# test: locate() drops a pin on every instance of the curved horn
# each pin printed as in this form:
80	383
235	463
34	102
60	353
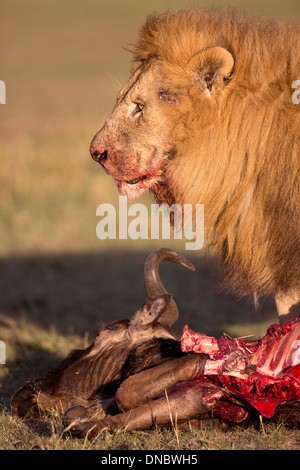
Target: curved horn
153	285
152	281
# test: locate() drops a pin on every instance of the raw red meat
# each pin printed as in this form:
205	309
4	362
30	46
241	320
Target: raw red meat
263	373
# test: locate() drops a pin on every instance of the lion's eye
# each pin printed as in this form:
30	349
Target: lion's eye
139	107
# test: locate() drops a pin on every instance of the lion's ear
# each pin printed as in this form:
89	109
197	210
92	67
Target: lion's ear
212	65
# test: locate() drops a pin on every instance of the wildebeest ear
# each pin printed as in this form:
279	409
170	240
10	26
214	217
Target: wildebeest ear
213	65
159	310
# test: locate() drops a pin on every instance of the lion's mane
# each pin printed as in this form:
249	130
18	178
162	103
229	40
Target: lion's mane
244	166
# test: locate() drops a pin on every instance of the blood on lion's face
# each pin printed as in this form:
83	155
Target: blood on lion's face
135	143
154	116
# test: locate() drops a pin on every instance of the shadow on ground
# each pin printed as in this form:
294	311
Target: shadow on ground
79	292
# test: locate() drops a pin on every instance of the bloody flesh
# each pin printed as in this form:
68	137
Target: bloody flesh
263	373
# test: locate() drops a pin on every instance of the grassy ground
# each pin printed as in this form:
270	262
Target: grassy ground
63	62
39	435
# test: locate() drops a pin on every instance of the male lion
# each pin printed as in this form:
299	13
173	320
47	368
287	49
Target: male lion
207	117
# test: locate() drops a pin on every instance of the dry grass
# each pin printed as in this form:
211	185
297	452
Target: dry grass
49	435
62	61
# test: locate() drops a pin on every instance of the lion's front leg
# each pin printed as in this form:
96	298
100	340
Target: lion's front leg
288	306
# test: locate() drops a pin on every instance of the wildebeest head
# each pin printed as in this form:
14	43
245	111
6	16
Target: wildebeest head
122	348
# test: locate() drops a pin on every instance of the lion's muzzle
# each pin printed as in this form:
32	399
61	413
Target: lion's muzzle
98	155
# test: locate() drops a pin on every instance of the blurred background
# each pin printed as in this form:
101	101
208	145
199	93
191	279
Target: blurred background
63	62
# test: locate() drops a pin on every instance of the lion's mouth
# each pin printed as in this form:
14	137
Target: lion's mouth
133	188
137	180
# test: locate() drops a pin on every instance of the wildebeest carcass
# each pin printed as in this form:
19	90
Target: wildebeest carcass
137	374
122	348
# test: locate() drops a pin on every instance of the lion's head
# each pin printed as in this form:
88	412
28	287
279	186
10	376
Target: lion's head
151	117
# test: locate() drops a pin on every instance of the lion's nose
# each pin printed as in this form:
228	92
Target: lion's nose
99	156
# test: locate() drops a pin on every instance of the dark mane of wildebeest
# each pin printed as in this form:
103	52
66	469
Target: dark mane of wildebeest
109	367
122	348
